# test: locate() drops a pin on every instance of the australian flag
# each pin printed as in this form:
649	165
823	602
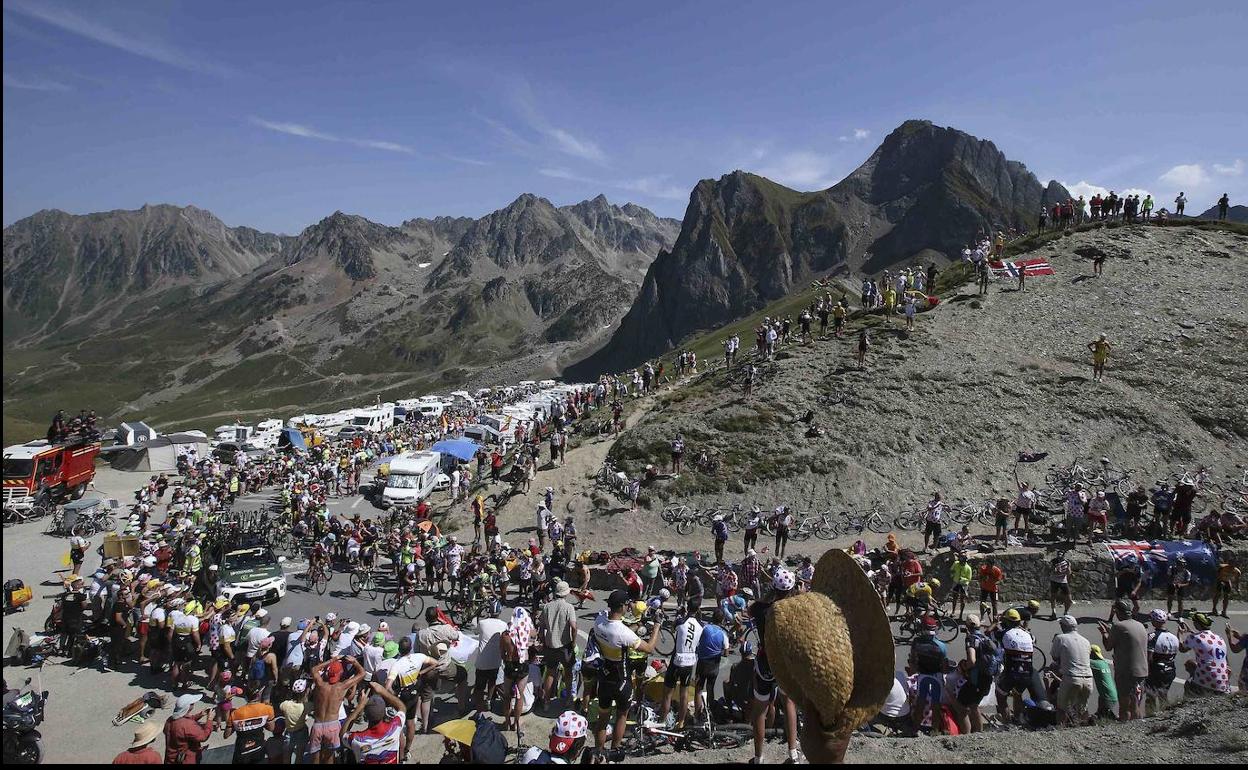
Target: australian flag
1159	555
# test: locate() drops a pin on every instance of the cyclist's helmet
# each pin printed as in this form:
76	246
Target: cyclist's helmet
1166	644
1013	616
783	580
654	603
930	623
934	583
1017	640
748	593
1158	616
411	568
1033	605
664	594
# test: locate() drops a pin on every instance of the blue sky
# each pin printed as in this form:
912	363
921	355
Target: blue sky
276	114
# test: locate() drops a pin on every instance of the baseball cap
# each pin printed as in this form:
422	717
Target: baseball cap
299	685
375	709
1068	621
568	727
286	622
617	600
972	620
182	706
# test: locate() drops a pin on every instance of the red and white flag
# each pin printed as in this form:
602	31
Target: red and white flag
1011	268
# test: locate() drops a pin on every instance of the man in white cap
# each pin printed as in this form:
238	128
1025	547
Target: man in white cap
185	734
557	625
1071	654
257	635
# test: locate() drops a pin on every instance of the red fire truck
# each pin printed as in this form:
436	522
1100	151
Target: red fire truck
39	472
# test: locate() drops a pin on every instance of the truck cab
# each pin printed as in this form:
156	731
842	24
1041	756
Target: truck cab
39	472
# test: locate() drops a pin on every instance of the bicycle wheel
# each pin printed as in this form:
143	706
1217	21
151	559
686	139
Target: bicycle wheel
801	533
667	642
962	515
370	588
724	740
320	582
734	524
949	629
878	524
684	526
826	530
907	522
390	604
84	528
357	582
414	606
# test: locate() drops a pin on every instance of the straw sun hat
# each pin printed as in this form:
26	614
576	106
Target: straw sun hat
832	646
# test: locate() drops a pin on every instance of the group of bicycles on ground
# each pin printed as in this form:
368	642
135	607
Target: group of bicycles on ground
1171	507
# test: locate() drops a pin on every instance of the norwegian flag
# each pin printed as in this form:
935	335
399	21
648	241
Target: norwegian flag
1010	268
1158	555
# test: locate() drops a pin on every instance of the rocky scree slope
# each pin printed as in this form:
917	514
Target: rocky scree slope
746	241
949	406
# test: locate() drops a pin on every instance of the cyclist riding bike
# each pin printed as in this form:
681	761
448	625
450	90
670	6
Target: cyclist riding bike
735	612
919	602
1018	673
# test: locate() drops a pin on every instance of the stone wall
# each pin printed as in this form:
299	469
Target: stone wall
1092	573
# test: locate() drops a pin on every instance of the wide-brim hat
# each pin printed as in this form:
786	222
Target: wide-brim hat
145	734
832	646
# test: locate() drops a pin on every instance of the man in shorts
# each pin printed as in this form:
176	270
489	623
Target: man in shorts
325	737
712	643
1226	580
1179	577
1059	584
614	641
990	577
681	666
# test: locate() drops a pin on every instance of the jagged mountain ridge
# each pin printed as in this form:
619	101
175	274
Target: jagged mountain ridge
344	299
745	240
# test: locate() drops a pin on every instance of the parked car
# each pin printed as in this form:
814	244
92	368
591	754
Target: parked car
350	431
228	452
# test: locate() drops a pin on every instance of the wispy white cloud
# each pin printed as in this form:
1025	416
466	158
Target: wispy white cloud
801	169
1185	175
580	148
100	32
659	186
33	83
307	132
858	135
521	95
1234	169
468	161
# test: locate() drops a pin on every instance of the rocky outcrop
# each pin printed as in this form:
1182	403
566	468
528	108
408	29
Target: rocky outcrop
746	241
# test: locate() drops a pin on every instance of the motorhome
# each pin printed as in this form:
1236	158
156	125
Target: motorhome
489	436
232	433
374	420
412	477
461	398
527	386
547	384
431	410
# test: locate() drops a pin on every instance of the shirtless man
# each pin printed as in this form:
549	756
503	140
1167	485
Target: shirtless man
325	737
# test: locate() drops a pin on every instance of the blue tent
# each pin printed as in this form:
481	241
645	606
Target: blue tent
460	448
291	437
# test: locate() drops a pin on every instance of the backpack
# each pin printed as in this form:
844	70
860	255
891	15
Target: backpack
259	670
488	745
987	663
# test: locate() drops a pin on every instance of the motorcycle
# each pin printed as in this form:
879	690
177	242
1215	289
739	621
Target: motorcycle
23	745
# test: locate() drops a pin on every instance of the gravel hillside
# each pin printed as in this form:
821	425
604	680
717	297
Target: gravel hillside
981	378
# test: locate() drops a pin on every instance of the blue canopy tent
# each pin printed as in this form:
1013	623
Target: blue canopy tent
291	437
459	448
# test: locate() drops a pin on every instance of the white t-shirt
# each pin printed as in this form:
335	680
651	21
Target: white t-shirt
687	635
895	704
613	638
254	637
490	654
406	669
935	511
534	754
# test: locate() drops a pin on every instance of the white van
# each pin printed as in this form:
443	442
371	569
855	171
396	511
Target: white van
547	384
527	386
413	477
461	398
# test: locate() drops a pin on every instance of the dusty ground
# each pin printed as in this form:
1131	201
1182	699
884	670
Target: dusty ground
950	405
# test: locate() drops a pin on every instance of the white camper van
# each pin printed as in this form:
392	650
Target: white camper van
431	410
413	477
377	419
489	436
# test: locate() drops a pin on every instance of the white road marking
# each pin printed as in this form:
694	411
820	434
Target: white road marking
356	503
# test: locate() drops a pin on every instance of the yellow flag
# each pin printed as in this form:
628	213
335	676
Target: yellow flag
65	560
